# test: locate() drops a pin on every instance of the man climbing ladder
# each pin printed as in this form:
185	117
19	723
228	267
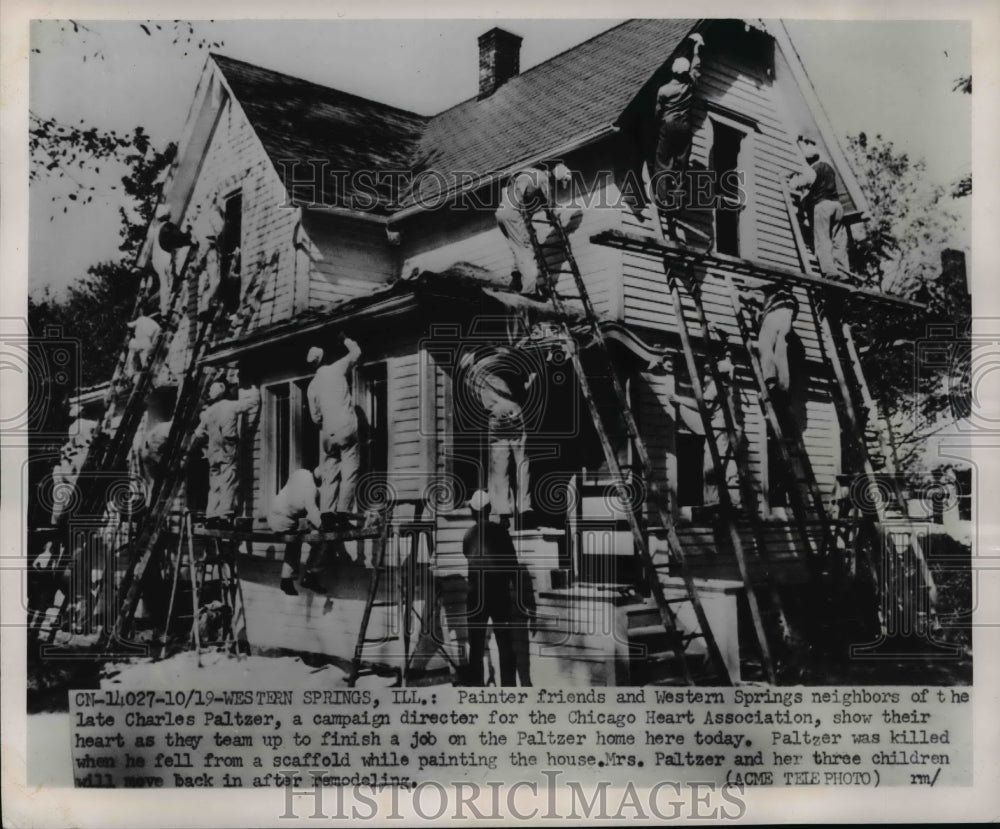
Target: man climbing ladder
679	640
674	129
526	194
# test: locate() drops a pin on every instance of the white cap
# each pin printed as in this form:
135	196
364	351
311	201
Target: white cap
560	172
216	390
479	501
74	410
680	66
314	356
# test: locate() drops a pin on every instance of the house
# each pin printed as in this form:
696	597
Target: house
350	215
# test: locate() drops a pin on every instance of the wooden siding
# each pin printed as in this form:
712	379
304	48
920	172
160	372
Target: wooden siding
235	161
346	258
410	442
440	239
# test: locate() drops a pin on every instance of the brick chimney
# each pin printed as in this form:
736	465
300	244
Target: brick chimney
499	60
953	272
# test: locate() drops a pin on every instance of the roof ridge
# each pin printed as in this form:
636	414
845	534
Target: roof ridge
539	65
526	72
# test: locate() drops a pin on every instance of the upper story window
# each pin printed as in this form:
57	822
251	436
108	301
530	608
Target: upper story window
731	161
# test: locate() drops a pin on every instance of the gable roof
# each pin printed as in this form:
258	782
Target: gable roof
534	113
300	121
549	105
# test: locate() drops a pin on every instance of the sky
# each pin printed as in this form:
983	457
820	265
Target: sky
893	78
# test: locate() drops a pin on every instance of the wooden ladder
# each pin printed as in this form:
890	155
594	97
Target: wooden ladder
221	557
652	572
856	405
109	449
382	568
738	448
178	450
802	490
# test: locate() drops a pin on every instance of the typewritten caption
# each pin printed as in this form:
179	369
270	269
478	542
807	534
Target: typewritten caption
401	737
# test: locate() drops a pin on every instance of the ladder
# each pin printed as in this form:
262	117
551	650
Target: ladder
791	450
416	577
115	434
220	557
178	450
745	478
112	442
856	406
679	641
382	568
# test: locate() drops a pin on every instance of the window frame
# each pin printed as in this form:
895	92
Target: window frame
746	230
231	245
298	416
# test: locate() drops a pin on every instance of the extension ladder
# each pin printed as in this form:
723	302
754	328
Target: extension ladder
679	641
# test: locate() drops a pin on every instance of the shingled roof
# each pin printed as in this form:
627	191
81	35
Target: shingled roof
551	104
303	122
536	112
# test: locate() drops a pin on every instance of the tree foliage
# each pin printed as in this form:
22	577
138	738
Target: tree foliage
93	310
183	32
963	187
909	219
910	225
77	153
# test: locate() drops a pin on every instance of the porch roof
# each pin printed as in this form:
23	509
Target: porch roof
435	294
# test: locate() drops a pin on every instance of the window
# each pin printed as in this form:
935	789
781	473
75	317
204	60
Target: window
465	462
731	162
292	439
373	400
230	241
594	463
725	162
308	432
279	435
690	468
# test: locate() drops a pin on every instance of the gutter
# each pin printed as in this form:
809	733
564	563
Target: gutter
240	348
346	213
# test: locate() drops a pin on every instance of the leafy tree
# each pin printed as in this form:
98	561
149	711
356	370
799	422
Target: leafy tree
77	152
910	225
909	220
95	309
963	187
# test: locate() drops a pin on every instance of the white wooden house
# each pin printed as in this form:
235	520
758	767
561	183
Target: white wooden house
289	158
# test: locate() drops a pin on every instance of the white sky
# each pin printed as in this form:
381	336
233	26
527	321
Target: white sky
893	78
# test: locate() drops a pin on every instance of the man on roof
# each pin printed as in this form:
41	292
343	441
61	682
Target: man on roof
816	187
528	192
